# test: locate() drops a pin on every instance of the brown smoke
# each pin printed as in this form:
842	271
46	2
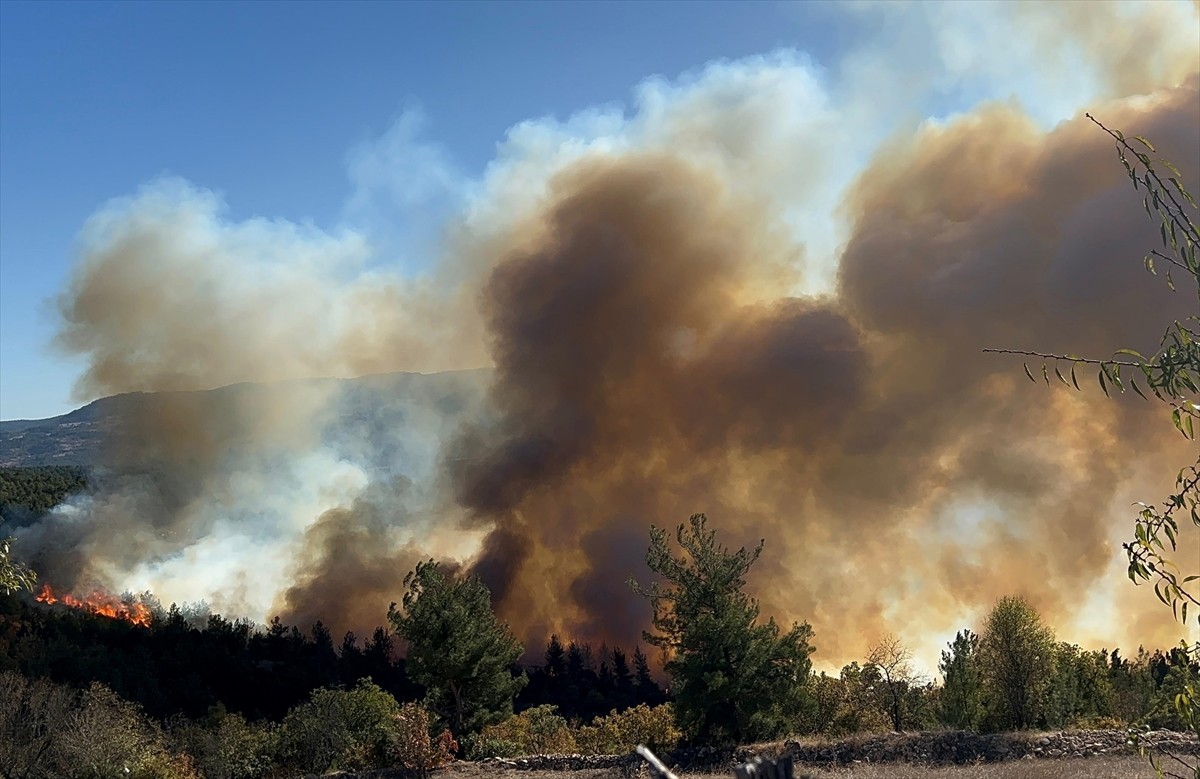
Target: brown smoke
653	358
640	376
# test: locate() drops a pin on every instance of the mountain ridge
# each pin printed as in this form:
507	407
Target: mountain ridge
77	438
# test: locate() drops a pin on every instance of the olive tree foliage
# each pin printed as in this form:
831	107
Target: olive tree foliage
457	649
735	680
1171	375
14	575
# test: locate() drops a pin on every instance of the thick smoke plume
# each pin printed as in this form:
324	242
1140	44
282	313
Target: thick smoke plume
641	375
761	296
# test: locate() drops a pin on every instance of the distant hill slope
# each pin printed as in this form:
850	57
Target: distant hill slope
380	402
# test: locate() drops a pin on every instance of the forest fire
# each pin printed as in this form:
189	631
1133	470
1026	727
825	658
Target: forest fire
99	603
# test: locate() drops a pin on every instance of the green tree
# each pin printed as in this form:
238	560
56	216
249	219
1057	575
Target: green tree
340	729
457	648
960	705
734	679
1080	689
1016	664
14	575
857	706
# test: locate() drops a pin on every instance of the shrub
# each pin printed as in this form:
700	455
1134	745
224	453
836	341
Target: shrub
621	731
340	729
413	748
536	731
106	736
226	746
33	714
482	746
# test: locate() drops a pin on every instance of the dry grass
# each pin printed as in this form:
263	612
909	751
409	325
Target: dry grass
1081	768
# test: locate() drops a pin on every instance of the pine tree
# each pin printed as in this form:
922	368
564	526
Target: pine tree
622	680
734	680
960	682
457	649
556	663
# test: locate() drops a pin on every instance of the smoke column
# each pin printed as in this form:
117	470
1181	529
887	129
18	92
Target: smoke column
762	294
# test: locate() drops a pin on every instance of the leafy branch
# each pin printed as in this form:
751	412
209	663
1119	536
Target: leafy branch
1172	375
14	575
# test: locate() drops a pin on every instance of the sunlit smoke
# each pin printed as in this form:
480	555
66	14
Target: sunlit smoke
761	292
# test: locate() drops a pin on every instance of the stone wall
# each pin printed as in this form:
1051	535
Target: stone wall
933	748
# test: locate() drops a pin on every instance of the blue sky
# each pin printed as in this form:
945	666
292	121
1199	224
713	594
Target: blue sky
262	103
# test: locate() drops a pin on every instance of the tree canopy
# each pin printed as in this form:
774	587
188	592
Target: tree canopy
734	679
1017	661
457	648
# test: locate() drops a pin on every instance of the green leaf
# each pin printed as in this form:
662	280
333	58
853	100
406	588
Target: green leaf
1103	385
1144	142
1028	373
1137	389
1073	379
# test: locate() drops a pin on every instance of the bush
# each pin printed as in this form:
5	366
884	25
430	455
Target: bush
413	748
536	731
340	729
33	714
622	731
482	746
226	746
48	729
106	736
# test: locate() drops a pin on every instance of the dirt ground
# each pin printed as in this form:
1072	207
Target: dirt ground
1085	768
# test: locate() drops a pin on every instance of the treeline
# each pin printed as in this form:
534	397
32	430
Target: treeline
195	695
190	691
26	493
189	661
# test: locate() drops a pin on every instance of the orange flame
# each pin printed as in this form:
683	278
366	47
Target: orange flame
99	603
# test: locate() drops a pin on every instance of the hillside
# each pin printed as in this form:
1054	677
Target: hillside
378	402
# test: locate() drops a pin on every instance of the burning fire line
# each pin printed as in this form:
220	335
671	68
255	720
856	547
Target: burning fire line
99	603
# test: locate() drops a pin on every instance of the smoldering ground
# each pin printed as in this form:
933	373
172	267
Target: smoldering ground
657	348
